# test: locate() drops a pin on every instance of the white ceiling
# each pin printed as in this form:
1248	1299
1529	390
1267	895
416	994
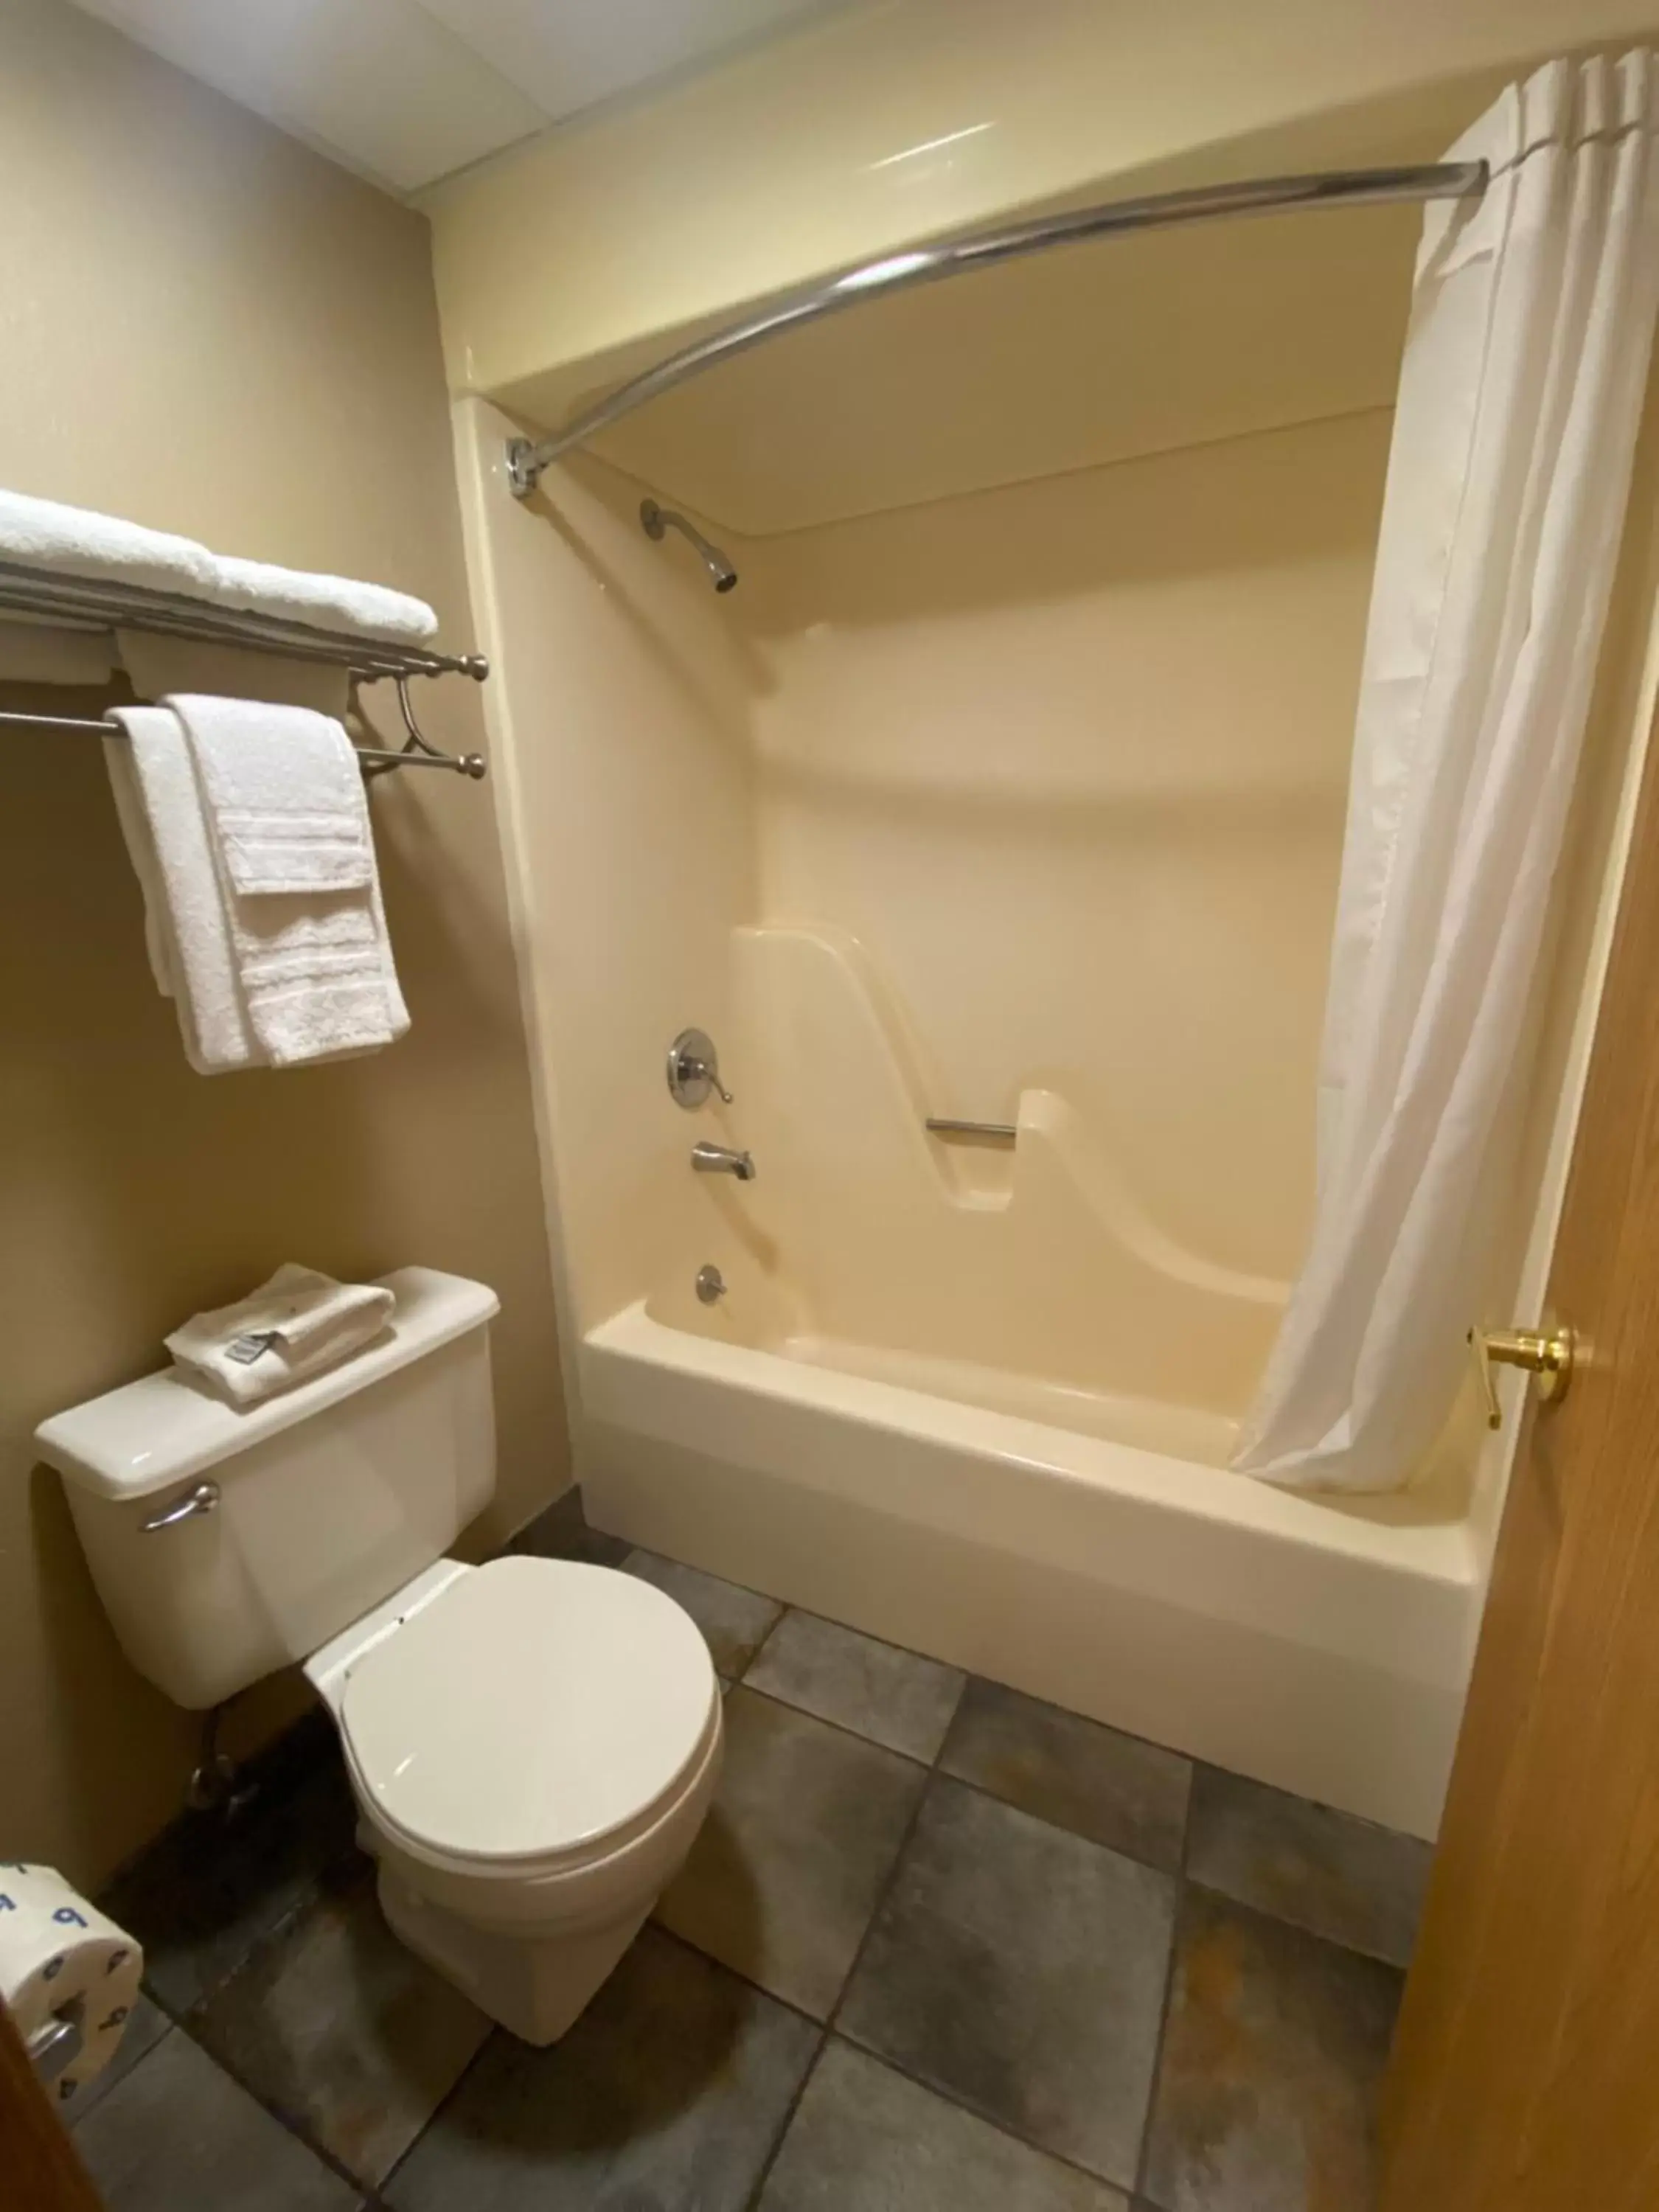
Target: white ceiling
406	91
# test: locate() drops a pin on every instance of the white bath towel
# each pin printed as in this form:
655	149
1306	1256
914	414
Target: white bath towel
299	1324
282	793
78	541
313	966
185	926
41	533
325	602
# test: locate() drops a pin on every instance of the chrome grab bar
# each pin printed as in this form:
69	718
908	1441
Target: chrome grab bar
944	1125
200	1498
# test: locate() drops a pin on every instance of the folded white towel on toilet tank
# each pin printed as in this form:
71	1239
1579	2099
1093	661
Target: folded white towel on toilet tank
299	1324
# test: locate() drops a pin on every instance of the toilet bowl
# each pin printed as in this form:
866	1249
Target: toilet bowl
532	1743
532	1746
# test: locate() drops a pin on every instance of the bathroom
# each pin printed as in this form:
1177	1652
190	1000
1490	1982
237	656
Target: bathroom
1007	785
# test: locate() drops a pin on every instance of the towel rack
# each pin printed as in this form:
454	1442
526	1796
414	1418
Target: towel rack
79	602
373	760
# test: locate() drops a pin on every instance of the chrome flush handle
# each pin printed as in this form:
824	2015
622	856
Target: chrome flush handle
201	1498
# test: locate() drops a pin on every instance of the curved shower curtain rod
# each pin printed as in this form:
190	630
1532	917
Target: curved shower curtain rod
897	272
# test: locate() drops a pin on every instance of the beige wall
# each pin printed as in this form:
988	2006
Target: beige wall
212	329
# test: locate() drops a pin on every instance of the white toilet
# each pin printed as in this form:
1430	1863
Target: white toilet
532	1743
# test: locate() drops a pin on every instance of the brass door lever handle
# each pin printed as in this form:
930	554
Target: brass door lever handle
1546	1353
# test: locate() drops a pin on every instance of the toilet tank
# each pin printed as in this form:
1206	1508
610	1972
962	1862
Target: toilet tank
316	1504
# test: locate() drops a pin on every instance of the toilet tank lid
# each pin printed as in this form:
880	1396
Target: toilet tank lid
163	1429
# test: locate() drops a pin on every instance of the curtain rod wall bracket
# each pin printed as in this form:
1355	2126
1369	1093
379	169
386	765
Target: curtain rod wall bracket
525	458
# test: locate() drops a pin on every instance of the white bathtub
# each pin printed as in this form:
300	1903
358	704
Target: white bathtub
1321	1645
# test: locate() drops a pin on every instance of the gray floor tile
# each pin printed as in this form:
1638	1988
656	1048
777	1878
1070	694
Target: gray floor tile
1112	1788
893	1697
1021	1969
734	1622
1360	1885
144	2030
667	2096
204	1893
1275	2046
865	2139
343	2031
804	1828
178	2132
561	1533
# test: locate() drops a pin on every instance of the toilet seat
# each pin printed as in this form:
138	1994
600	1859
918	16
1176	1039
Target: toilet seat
536	1716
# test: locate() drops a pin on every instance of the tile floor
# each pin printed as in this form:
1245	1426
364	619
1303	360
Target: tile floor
937	1945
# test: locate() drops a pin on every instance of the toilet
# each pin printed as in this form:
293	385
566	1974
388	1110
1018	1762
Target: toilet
533	1744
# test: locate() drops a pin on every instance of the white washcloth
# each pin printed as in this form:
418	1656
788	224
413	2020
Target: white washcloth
325	602
297	1325
41	533
186	929
282	793
313	967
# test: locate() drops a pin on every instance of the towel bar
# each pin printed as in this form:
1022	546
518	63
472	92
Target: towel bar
943	1125
374	760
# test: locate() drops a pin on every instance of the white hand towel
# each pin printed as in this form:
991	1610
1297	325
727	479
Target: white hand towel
40	533
299	1324
282	793
185	926
326	602
313	966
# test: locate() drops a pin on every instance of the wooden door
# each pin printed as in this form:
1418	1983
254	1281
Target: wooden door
1526	2069
38	2170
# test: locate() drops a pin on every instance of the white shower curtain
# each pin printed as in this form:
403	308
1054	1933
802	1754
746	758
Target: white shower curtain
1532	322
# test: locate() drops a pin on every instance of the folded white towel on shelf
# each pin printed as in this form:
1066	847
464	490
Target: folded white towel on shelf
273	976
186	928
326	602
78	541
313	966
42	533
299	1324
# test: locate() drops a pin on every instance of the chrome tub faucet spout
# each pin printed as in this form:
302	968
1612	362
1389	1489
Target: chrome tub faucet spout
720	1159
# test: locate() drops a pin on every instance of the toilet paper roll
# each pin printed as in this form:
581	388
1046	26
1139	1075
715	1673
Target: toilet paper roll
59	1954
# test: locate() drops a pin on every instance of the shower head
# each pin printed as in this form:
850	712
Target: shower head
656	521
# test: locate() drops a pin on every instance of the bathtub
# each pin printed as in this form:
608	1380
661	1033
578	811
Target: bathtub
1088	1549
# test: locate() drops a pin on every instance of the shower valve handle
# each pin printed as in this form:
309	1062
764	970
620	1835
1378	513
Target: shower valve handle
693	1070
697	1069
